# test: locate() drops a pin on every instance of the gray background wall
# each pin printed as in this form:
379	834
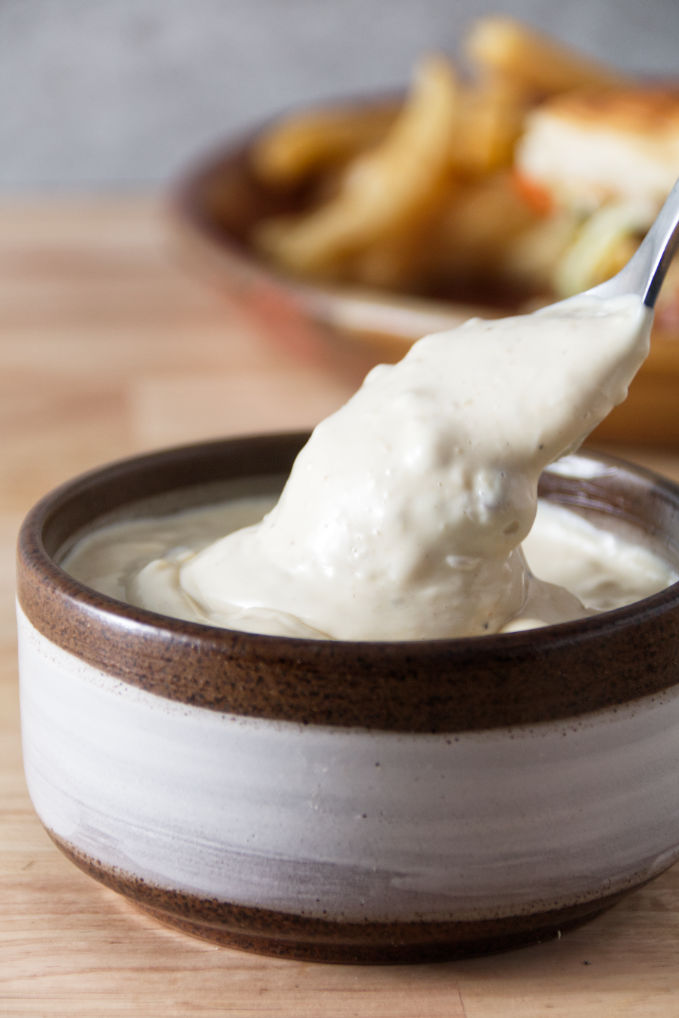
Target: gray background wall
118	93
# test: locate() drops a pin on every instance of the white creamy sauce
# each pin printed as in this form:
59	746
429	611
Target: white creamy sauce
139	561
405	513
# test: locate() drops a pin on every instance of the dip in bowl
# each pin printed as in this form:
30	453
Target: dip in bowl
349	801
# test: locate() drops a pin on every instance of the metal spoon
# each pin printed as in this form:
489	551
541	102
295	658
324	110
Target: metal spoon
645	271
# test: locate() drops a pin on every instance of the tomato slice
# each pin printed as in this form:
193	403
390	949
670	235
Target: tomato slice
535	195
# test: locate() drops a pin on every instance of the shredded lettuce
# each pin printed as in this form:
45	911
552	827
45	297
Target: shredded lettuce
602	244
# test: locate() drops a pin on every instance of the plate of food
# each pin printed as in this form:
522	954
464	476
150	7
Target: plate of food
346	231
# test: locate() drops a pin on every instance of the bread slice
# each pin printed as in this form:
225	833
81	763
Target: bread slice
591	147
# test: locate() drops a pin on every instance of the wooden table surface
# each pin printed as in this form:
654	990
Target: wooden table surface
110	344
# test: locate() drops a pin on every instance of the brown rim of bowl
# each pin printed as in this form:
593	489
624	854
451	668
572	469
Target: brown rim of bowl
453	685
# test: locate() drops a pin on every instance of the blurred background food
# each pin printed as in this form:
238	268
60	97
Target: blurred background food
453	175
532	175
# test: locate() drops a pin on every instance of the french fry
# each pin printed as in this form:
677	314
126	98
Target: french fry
423	198
500	46
307	143
383	190
531	259
399	265
400	260
491	119
474	235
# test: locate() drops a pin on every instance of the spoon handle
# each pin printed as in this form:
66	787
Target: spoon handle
645	271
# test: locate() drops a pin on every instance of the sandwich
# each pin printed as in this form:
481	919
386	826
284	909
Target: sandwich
597	165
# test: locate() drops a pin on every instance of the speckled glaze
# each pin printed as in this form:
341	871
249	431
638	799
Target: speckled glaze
349	801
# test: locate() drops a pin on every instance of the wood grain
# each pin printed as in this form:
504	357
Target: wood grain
110	345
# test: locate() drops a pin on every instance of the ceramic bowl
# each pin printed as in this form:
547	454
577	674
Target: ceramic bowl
356	802
349	329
